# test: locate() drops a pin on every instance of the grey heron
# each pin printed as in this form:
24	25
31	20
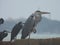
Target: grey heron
31	22
3	35
16	30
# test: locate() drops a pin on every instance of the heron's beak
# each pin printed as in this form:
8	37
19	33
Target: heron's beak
45	12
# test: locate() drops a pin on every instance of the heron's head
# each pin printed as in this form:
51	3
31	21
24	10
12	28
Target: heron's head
40	12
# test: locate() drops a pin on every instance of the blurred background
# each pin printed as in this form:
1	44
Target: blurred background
14	11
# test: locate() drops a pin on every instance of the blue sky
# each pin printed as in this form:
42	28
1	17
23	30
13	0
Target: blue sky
24	8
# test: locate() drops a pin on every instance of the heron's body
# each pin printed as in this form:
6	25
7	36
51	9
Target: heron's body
28	26
16	30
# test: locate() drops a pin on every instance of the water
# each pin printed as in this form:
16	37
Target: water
34	36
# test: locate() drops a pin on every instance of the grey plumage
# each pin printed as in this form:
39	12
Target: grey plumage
16	30
28	27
